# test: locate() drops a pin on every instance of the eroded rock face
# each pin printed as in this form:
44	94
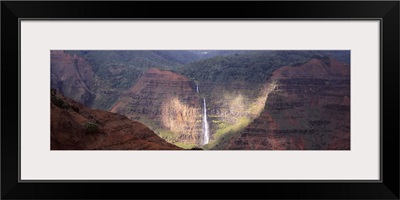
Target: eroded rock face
166	102
231	107
73	76
309	108
76	127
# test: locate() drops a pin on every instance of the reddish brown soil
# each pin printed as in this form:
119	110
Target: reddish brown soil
308	109
76	127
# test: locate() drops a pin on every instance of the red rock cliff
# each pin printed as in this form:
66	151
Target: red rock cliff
166	102
76	127
309	108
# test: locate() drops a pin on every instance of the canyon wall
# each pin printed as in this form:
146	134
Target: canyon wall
252	101
308	108
76	127
73	76
231	107
166	102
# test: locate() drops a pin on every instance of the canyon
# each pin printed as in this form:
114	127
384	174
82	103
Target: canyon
222	100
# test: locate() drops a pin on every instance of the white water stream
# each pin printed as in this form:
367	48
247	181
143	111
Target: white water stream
205	123
205	132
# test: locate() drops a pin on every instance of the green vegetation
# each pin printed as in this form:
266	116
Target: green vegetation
60	103
117	71
225	132
251	66
171	137
231	81
167	135
185	145
91	127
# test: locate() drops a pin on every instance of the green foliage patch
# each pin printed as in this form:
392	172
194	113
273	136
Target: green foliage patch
91	127
225	132
58	102
252	66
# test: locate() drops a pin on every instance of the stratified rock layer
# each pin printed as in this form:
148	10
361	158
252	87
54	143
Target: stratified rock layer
309	108
76	127
166	102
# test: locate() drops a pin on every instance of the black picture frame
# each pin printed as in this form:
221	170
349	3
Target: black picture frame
386	11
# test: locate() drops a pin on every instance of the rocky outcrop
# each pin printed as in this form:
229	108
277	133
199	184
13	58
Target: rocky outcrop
308	108
73	76
166	102
76	127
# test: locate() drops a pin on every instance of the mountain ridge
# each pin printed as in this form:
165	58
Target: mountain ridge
76	127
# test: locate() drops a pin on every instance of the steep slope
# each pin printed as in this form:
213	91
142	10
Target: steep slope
234	85
231	82
309	108
73	76
166	102
76	127
97	78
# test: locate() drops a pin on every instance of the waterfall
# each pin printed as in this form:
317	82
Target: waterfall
205	123
206	136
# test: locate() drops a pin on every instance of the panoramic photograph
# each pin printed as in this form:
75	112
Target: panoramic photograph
200	99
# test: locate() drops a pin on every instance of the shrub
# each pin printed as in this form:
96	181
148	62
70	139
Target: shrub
91	127
59	102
